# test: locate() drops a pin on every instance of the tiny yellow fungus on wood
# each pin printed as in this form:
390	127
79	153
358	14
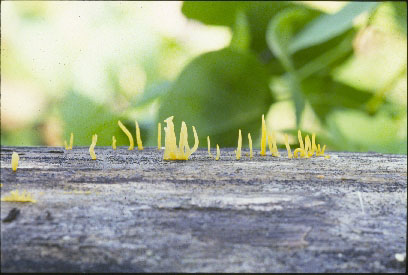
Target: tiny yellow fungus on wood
238	151
263	137
314	148
138	138
273	149
129	135
71	142
300	140
209	146
159	136
250	146
218	153
113	143
183	151
14	161
288	147
91	148
15	196
320	176
302	152
308	147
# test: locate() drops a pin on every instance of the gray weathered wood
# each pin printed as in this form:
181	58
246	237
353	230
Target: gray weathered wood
145	214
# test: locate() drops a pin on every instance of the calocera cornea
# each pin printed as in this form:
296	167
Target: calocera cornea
183	151
92	147
263	137
273	148
113	143
218	153
209	146
138	138
15	196
71	142
14	161
238	151
288	146
250	146
129	135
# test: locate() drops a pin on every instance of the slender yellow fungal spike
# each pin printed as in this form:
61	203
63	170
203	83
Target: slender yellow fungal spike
238	152
308	147
159	136
314	148
288	147
171	151
324	148
320	152
209	146
14	161
218	153
250	146
14	196
71	141
138	138
113	143
129	135
66	145
263	137
91	148
302	152
273	149
300	140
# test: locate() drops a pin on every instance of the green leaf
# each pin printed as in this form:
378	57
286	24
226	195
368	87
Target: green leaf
241	38
326	95
155	91
280	30
219	93
84	118
328	26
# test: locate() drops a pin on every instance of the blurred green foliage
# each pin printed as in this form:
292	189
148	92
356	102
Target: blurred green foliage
346	70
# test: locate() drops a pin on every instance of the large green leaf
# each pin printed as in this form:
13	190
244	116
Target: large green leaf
84	118
326	95
327	26
153	92
219	93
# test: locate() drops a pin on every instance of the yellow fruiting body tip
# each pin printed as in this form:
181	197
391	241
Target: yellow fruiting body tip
113	143
71	141
263	137
183	151
300	140
209	146
129	135
92	147
138	138
66	145
15	196
14	161
250	146
238	151
218	153
159	136
302	152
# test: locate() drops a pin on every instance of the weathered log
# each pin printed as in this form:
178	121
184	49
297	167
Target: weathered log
132	211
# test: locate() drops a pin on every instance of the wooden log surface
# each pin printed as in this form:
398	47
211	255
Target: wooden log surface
132	211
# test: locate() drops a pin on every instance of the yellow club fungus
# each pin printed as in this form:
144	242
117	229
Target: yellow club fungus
263	137
129	135
314	148
14	161
138	138
300	140
302	152
113	143
183	151
15	196
288	146
308	147
159	136
273	149
250	146
238	151
218	153
71	142
92	147
209	146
